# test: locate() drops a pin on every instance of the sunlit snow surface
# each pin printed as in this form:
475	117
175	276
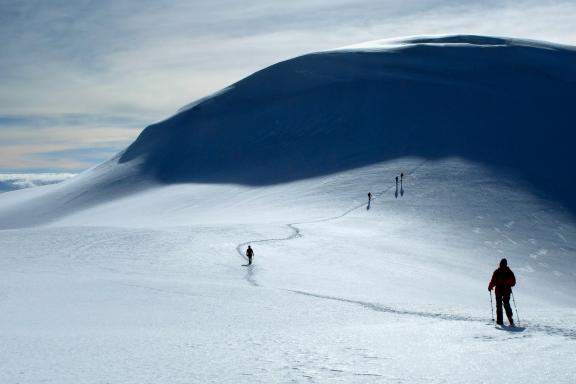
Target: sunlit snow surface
151	289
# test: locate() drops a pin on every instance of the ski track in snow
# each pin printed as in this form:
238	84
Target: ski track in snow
296	232
550	330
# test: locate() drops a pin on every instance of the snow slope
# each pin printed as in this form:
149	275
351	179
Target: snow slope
504	103
130	273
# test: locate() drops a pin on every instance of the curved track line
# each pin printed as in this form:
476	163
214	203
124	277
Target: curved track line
296	232
546	329
249	276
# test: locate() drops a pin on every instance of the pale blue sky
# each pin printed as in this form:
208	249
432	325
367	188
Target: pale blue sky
80	79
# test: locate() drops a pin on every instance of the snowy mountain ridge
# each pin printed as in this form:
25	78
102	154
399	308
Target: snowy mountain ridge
445	40
505	103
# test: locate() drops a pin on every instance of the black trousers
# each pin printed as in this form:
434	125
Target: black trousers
249	259
503	300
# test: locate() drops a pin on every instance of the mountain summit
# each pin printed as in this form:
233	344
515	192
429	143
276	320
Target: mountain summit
506	103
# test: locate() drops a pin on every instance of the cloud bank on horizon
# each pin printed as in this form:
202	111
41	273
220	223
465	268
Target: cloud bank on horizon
80	79
13	181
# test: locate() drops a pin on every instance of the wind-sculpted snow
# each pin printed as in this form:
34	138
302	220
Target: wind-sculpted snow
506	103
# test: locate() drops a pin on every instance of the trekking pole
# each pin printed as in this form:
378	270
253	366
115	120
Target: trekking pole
492	305
515	307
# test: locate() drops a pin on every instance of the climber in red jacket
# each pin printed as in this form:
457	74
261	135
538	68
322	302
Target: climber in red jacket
503	279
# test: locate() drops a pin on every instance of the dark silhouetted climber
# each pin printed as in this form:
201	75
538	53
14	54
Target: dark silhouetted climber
503	279
396	193
402	184
369	200
249	254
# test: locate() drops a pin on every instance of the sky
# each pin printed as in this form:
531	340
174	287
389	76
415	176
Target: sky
80	79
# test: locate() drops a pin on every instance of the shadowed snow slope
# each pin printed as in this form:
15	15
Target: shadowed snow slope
504	103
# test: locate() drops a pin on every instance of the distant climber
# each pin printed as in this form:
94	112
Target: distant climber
396	193
402	184
503	279
401	176
369	200
249	254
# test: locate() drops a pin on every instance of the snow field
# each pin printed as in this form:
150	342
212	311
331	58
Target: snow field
387	295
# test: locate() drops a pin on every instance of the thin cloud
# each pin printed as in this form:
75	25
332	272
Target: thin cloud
14	181
63	142
148	58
